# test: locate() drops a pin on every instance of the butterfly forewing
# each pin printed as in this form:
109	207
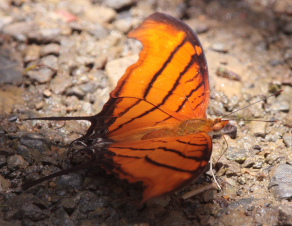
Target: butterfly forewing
169	83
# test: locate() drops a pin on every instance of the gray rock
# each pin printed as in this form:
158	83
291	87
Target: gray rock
50	61
35	141
4	184
71	180
42	75
60	83
76	91
281	182
123	25
90	202
20	30
30	155
98	31
2	159
52	48
288	28
16	161
288	139
3	138
219	47
5	20
273	137
233	169
63	217
285	215
230	130
69	204
89	87
118	4
45	35
259	162
258	129
9	70
281	105
238	155
100	14
32	53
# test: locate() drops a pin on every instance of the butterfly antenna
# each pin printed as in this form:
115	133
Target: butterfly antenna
274	94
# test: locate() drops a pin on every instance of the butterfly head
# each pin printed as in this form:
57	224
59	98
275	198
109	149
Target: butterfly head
219	124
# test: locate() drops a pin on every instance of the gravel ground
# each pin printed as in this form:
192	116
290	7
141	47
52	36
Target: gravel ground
61	58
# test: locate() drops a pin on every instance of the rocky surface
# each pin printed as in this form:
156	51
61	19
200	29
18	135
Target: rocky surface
61	58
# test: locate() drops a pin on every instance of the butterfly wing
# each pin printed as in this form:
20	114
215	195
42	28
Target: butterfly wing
168	84
162	164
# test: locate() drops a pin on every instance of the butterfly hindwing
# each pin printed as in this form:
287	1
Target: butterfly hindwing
162	164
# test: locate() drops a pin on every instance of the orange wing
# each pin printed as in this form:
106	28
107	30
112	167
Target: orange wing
168	84
162	164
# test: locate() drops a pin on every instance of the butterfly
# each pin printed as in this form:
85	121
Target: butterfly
154	128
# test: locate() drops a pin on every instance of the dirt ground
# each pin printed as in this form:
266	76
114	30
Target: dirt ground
61	58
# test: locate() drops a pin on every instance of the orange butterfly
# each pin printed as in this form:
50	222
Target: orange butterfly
154	128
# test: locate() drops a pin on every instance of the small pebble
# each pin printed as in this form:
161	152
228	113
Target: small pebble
69	204
90	202
100	14
12	74
19	30
224	73
285	216
4	184
123	25
233	169
283	106
60	83
219	47
35	141
98	31
281	182
16	161
288	139
258	129
32	53
47	93
39	105
238	155
50	61
5	20
71	180
52	48
45	35
41	75
76	91
288	28
89	87
118	4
